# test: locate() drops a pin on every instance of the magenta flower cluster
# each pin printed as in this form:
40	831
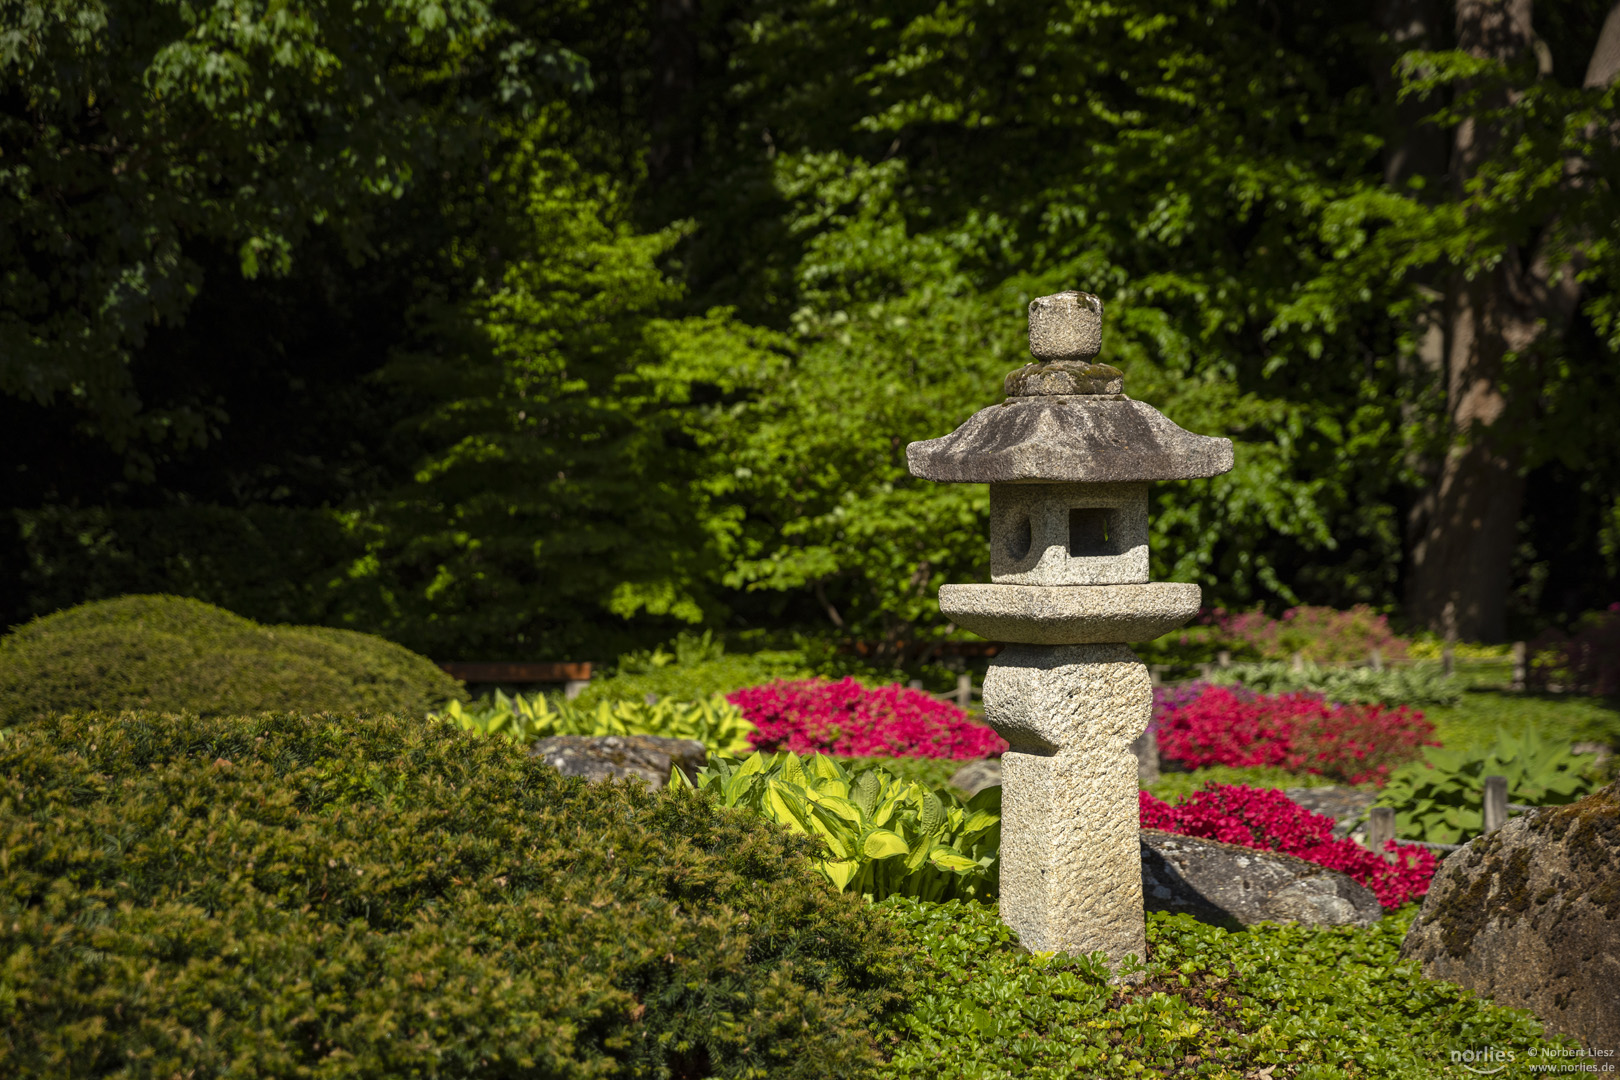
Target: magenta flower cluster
1230	725
1271	821
850	720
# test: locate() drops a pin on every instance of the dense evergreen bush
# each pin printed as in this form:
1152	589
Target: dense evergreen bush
280	896
177	655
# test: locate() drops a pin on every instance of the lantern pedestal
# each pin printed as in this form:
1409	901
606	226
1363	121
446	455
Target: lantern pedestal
1071	865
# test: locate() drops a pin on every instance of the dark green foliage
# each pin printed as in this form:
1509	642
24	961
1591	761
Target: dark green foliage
287	896
1322	1003
263	562
178	655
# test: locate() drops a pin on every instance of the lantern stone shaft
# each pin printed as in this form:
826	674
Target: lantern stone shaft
1068	458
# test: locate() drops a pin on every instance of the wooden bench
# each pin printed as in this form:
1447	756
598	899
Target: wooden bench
573	674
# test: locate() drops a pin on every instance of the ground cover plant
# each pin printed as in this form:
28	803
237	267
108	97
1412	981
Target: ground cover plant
847	719
1271	1000
885	836
1225	725
1268	820
693	667
1438	798
170	653
715	722
1472	723
284	895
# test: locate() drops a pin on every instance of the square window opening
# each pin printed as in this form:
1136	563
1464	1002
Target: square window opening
1093	531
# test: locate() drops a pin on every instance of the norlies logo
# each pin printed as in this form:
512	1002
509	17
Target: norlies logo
1484	1062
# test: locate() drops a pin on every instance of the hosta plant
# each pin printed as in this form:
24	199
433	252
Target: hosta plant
715	722
1439	798
886	836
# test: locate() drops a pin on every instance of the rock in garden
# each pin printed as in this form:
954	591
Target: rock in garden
1235	886
1345	805
1529	916
975	776
609	757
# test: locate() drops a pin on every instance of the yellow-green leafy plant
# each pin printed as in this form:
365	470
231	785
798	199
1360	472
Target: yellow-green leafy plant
887	836
716	723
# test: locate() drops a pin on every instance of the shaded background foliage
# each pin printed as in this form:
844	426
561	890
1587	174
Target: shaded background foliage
606	320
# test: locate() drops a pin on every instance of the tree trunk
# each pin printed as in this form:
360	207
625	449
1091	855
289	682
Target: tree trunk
1464	529
674	47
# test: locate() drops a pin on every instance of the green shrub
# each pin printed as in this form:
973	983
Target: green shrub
1417	685
886	836
1438	799
292	896
695	668
171	654
716	723
1317	1003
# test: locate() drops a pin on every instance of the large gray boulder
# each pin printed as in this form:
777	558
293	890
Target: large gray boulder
1236	886
1529	916
612	757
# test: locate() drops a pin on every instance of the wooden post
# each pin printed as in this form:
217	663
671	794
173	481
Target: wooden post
1146	749
1299	661
1224	658
964	690
1447	654
1495	810
1520	667
1380	829
1376	659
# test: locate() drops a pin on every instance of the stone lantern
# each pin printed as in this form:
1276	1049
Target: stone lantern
1068	458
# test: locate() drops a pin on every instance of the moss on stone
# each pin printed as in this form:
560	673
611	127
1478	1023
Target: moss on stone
1500	886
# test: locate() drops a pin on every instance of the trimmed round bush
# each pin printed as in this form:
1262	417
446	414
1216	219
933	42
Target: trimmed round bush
172	654
293	896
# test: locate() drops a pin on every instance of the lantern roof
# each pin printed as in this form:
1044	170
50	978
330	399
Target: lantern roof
1067	420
